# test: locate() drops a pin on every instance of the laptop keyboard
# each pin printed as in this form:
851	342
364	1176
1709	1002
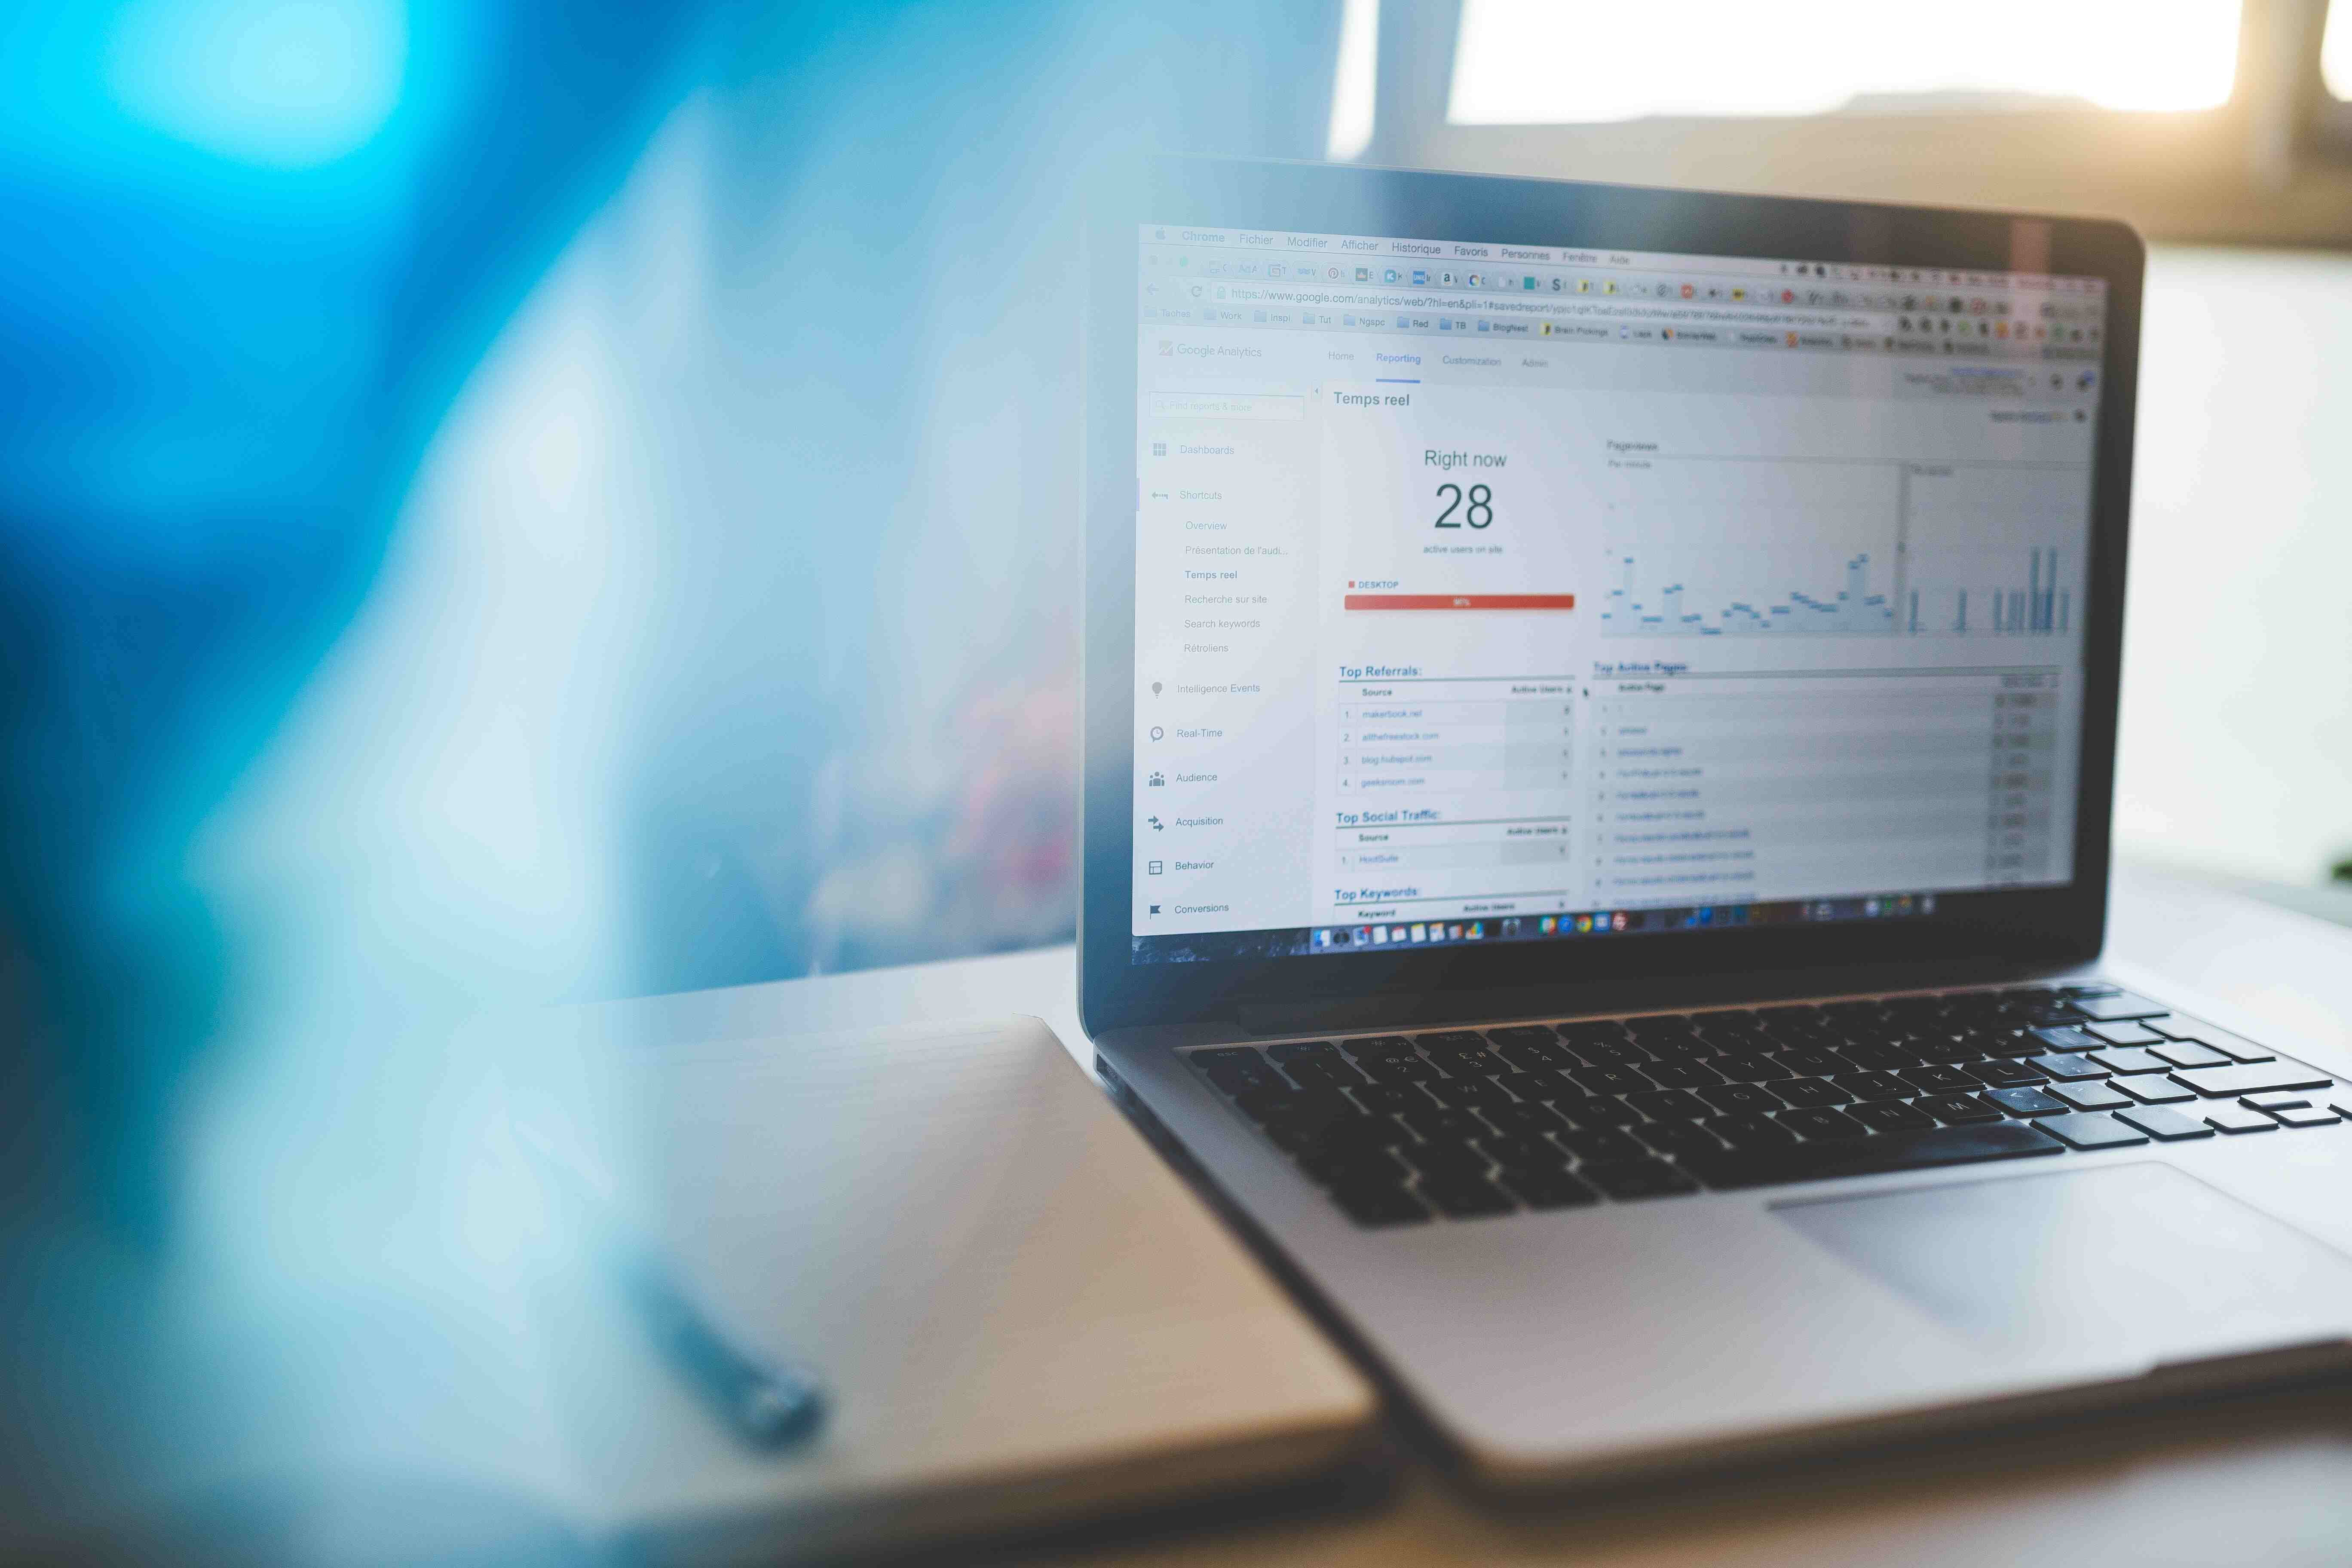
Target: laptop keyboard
1470	1124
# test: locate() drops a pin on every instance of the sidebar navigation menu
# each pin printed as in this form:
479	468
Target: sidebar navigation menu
1225	646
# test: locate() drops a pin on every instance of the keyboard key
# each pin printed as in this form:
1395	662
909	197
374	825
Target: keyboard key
1465	1197
1387	1099
2101	1096
1466	1093
2002	1072
1940	1081
1658	1026
1299	1050
2091	1129
2234	1119
1514	1150
1380	1205
1680	1138
1273	1100
1811	1093
1637	1179
1598	1080
1668	1105
1546	1056
1955	1049
1873	1086
1372	1045
1452	1040
1596	1110
1537	1088
1877	1055
2305	1116
1750	1132
1877	1152
1532	1120
1750	1066
2154	1091
1892	1116
2188	1054
2165	1126
2120	1004
1296	1135
1681	1075
1806	1061
1443	1160
1548	1189
1397	1069
2129	1059
2068	1069
1442	1126
1959	1108
2127	1034
2068	1040
1523	1035
2230	1082
1680	1049
1331	1072
1741	1099
2027	1102
2235	1046
1239	1077
1600	1144
1823	1123
1609	1054
1578	1031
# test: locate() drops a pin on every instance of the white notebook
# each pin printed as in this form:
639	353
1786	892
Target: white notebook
1022	1314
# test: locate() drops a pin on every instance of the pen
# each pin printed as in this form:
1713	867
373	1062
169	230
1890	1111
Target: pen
768	1405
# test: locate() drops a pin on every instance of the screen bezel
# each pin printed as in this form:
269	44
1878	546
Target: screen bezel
2035	927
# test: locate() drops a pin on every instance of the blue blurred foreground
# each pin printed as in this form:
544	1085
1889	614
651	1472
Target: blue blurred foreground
499	503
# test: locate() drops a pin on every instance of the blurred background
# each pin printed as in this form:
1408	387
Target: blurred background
505	502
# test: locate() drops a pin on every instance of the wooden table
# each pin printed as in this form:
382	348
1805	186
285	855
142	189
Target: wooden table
2258	1479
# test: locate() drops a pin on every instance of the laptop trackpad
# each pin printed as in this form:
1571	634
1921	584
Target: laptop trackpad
2137	1259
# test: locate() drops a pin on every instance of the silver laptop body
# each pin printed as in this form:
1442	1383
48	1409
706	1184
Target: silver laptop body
1601	718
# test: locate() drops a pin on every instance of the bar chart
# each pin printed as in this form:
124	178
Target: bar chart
1635	606
2034	604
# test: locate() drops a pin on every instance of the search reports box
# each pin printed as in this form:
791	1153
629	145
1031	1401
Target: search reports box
1227	405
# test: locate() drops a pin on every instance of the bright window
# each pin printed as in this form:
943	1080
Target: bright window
2336	53
1534	62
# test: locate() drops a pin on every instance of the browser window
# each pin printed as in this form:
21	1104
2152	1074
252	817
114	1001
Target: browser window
1493	594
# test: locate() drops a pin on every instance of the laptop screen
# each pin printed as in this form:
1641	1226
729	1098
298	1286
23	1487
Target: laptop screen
1495	594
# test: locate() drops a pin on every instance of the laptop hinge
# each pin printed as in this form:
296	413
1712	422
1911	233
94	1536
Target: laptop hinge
1683	992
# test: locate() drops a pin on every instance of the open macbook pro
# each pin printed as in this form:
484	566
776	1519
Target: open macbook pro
1601	720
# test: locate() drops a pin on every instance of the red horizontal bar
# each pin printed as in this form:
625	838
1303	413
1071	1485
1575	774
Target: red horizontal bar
1461	601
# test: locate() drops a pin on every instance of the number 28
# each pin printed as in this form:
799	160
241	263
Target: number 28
1479	513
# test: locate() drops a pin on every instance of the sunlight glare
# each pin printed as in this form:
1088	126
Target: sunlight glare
1527	62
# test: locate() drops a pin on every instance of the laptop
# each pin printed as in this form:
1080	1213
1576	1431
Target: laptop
1601	711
